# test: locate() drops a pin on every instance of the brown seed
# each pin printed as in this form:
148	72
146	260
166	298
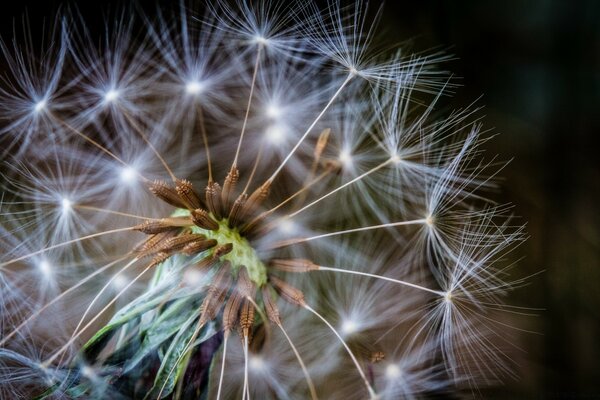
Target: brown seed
287	242
186	193
332	165
202	219
229	187
293	265
151	227
321	143
270	306
250	227
198	246
216	293
377	356
245	286
220	297
232	307
246	317
159	258
166	193
257	198
237	210
222	250
177	243
230	313
154	241
213	199
207	262
287	291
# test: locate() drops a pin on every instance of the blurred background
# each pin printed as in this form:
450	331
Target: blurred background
535	67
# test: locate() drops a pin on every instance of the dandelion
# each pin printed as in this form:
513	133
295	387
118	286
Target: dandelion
254	202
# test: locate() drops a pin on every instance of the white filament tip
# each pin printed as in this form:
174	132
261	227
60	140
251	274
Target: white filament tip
120	281
396	159
275	134
448	297
128	174
345	158
257	363
193	87
393	371
39	106
273	111
66	204
45	268
430	220
111	95
260	39
349	327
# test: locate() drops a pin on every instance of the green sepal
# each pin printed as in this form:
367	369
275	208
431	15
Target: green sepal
174	361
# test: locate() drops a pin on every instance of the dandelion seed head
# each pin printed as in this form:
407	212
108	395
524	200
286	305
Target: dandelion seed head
259	173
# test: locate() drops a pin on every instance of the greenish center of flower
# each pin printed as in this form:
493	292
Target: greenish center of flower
242	253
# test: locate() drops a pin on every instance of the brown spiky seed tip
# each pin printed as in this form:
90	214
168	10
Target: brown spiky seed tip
250	227
287	291
257	198
177	243
150	245
151	227
377	356
246	286
246	317
216	293
202	219
321	143
222	250
229	185
230	313
166	193
237	210
270	306
213	199
158	259
206	263
198	246
186	192
293	265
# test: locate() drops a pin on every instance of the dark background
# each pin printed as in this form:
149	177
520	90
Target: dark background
536	67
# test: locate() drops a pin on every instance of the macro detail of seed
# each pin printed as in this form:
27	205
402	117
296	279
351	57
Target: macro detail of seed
244	200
